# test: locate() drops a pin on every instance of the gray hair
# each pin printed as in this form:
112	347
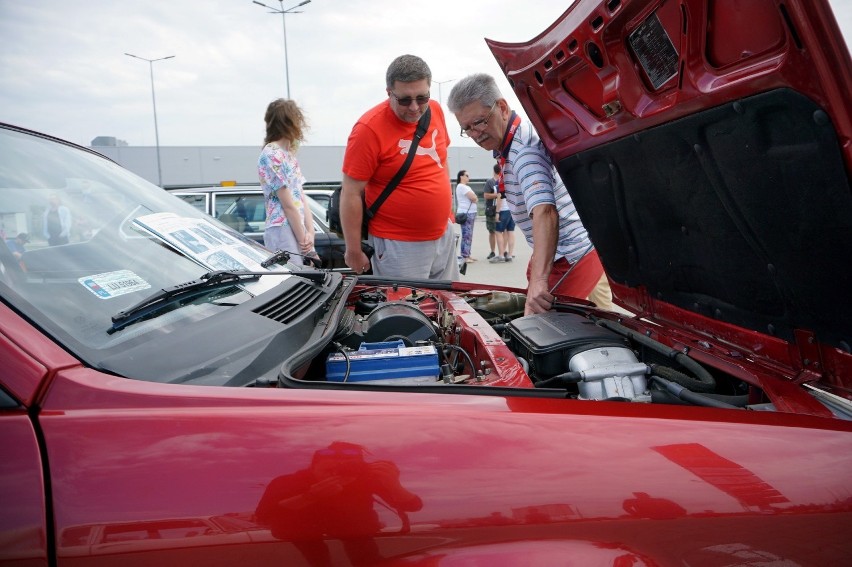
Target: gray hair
479	87
407	69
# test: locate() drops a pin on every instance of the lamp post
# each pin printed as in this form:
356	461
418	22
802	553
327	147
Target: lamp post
154	100
439	83
283	12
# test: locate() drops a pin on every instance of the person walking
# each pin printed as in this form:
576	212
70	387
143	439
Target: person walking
466	202
492	196
563	262
412	232
289	222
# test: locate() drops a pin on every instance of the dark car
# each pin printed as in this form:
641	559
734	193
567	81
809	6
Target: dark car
170	395
242	208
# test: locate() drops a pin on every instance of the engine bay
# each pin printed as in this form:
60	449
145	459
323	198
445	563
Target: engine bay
404	337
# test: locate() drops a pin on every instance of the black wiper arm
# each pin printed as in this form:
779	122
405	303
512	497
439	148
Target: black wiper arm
280	256
209	280
155	301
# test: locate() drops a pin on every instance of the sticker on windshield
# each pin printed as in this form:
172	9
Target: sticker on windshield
113	284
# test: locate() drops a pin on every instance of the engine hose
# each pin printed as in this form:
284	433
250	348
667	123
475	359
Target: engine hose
560	380
699	371
683	379
692	397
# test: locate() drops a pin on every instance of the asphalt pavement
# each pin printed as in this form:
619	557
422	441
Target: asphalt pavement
512	273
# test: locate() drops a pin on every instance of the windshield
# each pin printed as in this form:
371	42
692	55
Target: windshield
84	239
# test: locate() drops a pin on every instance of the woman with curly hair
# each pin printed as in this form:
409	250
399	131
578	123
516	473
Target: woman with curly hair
289	223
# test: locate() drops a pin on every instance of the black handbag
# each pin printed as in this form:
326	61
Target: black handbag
461	218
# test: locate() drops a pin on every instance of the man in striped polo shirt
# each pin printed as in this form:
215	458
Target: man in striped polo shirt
564	262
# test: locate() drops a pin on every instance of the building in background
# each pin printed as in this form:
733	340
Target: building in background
187	166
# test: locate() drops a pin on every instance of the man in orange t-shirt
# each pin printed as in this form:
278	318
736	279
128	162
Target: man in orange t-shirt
412	232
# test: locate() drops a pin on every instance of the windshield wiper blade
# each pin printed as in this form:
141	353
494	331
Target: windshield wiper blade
163	297
210	280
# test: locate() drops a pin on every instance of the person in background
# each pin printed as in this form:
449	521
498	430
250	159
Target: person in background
563	262
466	203
57	221
289	223
505	227
17	245
412	232
492	197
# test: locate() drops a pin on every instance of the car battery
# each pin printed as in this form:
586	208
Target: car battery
385	362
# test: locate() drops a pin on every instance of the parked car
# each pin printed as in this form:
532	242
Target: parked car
242	208
171	395
321	196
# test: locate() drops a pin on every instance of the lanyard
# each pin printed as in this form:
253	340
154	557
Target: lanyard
514	122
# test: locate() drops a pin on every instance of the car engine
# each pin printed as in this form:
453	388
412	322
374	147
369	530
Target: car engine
392	336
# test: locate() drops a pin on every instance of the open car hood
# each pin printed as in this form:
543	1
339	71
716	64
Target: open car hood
707	148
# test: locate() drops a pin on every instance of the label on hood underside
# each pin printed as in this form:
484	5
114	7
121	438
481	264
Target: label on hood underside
655	51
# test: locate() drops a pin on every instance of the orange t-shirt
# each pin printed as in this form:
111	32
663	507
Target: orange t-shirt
419	207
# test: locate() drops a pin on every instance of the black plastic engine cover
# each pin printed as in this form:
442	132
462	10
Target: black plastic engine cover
549	340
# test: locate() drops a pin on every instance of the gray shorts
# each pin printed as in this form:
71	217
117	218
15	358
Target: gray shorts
281	237
426	259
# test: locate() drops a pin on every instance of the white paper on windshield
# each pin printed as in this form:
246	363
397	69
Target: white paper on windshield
206	243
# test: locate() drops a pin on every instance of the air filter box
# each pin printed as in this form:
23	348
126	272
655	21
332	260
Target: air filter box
549	340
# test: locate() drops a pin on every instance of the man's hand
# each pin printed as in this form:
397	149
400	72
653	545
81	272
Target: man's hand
356	260
539	299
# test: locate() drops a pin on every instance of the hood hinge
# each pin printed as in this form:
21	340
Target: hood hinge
809	357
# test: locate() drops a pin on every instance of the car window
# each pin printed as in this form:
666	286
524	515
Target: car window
197	200
245	212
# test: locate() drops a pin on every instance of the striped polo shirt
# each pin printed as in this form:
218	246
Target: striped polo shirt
530	180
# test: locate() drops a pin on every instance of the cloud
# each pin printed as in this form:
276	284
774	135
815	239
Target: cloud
65	73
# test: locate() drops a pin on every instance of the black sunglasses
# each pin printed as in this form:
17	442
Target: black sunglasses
407	100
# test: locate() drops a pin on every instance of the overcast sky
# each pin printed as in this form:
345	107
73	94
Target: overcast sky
64	71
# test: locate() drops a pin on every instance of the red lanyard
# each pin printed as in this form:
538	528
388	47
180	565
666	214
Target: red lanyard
514	122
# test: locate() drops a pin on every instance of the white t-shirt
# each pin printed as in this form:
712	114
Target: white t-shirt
463	202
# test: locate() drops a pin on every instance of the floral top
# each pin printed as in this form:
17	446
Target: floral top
277	168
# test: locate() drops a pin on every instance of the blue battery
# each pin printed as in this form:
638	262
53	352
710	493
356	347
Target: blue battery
385	361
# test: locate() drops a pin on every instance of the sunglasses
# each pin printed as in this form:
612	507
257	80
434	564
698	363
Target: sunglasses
407	100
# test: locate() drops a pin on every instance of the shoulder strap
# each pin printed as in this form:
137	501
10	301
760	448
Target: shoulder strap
422	126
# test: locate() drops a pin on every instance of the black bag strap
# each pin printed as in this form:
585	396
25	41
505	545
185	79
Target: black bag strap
422	126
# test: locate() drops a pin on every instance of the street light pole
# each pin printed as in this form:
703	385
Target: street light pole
154	100
439	83
284	13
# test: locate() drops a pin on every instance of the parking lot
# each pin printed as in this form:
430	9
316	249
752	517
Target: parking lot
510	273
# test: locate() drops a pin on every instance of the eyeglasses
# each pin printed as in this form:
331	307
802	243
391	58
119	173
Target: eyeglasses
479	125
407	100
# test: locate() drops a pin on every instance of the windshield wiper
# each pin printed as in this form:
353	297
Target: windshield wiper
165	296
210	280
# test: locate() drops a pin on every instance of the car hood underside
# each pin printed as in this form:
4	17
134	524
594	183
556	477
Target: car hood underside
706	146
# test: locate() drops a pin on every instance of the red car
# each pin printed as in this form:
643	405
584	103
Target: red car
172	396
